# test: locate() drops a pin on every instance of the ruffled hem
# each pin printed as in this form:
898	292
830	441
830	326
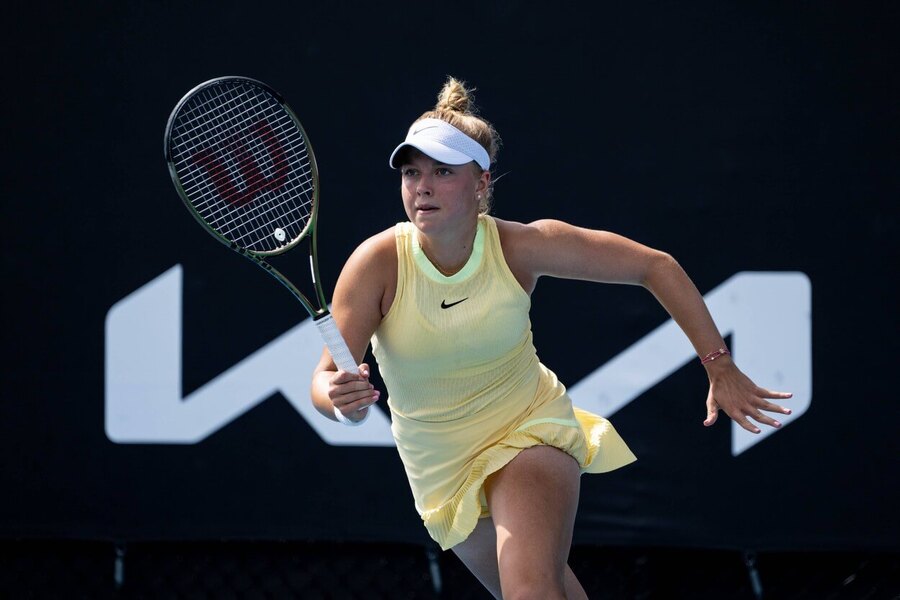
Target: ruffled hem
591	440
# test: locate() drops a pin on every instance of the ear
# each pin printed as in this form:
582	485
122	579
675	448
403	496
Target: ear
484	181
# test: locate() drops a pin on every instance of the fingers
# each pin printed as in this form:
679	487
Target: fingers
357	407
743	417
734	393
770	407
712	410
745	409
746	424
347	376
765	405
357	410
770	394
764	393
356	400
766	420
351	393
754	412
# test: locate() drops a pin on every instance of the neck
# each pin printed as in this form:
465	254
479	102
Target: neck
450	251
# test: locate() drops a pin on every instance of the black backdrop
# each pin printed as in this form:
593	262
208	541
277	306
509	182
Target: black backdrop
738	137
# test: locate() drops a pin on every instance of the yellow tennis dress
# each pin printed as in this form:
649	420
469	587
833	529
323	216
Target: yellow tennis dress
466	390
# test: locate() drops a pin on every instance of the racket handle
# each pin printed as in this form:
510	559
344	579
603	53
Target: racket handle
336	344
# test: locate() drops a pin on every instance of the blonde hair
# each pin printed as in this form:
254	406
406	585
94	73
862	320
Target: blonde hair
456	105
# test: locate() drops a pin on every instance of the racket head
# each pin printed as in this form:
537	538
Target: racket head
243	165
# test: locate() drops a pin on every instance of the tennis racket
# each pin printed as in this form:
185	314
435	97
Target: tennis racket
244	168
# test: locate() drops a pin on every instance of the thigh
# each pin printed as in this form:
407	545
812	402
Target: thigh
533	501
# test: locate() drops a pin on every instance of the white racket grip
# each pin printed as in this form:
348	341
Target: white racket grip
336	344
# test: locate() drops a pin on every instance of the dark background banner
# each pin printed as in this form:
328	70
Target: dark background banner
750	138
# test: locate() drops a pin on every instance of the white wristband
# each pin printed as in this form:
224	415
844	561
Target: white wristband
341	418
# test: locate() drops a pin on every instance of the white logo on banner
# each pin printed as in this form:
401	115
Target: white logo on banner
767	314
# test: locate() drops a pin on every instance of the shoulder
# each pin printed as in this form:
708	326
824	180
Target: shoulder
519	242
369	276
379	245
374	254
513	232
526	241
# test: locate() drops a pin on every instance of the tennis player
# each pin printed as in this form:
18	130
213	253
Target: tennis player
489	439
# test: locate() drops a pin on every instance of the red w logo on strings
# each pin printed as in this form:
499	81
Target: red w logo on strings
237	156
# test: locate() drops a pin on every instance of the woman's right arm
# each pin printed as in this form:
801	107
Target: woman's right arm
357	304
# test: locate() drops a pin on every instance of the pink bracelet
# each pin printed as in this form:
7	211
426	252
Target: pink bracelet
714	355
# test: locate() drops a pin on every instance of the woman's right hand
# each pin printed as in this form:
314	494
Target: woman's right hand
351	393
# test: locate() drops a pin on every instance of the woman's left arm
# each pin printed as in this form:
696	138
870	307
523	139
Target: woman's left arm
558	249
729	389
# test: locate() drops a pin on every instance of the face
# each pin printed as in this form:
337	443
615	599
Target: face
438	197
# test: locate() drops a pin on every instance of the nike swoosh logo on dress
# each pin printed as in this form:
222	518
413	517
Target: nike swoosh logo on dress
445	305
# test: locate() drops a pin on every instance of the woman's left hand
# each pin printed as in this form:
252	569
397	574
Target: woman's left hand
741	399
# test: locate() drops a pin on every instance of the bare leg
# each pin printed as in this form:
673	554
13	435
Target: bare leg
479	554
533	501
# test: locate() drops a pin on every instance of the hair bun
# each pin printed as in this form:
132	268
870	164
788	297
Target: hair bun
455	97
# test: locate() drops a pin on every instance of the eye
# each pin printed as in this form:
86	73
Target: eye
408	172
443	171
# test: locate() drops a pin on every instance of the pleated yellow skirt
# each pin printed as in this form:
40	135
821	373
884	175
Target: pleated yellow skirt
447	462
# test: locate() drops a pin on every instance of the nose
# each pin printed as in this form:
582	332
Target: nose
423	186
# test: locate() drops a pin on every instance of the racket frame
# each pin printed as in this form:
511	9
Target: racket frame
259	257
322	318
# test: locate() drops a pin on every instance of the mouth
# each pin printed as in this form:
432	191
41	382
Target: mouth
426	208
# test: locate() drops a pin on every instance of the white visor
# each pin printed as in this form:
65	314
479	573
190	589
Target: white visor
444	143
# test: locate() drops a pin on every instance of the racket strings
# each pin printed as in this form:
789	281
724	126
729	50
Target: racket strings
230	164
221	153
223	160
223	217
209	199
246	141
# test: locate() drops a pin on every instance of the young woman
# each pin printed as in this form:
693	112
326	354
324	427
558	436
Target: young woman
491	444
